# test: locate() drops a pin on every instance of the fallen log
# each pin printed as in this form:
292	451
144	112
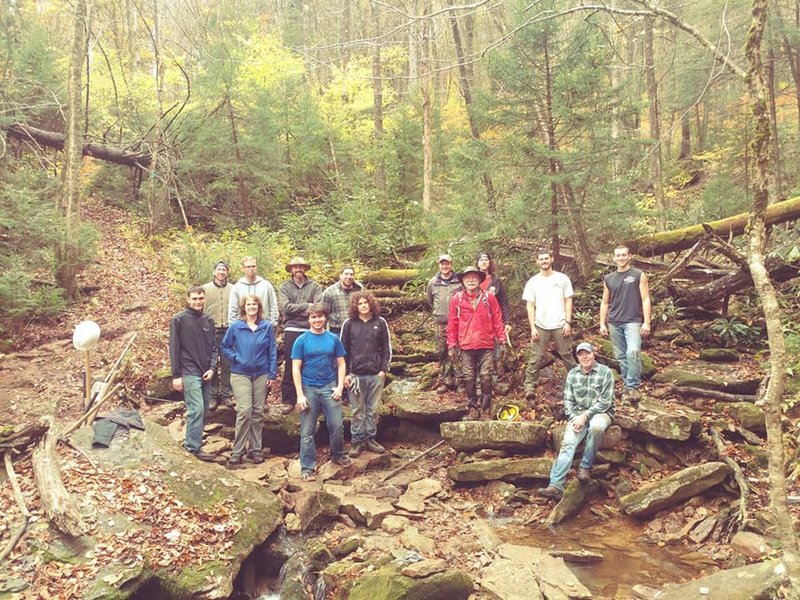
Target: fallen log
700	295
687	390
20	437
57	503
55	139
390	277
395	305
684	238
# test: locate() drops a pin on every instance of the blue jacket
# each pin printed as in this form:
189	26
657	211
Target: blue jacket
251	353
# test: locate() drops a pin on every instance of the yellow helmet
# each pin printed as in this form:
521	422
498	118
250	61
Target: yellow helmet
508	412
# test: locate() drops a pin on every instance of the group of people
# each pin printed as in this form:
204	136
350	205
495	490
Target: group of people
337	345
470	313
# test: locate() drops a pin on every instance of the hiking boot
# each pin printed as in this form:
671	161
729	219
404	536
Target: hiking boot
441	389
584	474
204	456
530	398
633	394
355	450
343	460
235	460
551	492
374	446
285	409
308	476
257	456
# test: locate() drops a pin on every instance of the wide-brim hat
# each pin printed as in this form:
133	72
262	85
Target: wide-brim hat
475	270
297	261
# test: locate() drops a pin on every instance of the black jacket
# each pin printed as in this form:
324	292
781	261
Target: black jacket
192	343
368	345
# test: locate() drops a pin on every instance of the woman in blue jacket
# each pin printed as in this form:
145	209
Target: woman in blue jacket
249	345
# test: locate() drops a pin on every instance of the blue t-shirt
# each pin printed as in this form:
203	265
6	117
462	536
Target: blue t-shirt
319	352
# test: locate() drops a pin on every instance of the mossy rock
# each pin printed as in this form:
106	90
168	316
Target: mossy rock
719	355
160	384
724	378
748	414
606	357
388	583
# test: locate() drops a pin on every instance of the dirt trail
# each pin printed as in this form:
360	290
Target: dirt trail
45	375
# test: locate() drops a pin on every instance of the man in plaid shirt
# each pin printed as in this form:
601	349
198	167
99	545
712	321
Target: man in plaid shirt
589	405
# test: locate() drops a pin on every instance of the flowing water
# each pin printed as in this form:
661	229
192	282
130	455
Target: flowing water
628	558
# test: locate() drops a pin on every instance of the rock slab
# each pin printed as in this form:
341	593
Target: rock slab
655	496
519	436
507	469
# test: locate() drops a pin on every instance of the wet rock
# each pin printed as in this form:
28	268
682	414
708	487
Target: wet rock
654	496
750	544
718	355
761	580
388	583
365	510
393	524
661	420
518	436
506	580
315	508
577	556
424	568
557	581
709	376
508	469
292	522
348	546
199	486
575	496
748	414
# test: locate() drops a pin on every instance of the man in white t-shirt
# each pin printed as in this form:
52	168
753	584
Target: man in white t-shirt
548	298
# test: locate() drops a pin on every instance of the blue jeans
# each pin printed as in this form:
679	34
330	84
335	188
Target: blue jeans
196	394
364	404
626	339
595	428
320	400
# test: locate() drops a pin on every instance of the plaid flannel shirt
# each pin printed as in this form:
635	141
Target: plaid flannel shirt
591	393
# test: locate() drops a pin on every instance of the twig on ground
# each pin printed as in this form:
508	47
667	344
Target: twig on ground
738	475
23	509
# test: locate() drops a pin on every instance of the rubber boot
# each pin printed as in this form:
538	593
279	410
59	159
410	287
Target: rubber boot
486	397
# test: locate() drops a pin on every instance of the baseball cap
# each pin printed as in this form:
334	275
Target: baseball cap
446	257
584	346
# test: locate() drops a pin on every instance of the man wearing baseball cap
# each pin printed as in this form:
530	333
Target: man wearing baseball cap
295	296
440	290
218	294
589	405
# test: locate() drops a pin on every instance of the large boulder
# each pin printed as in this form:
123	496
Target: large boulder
506	580
722	377
519	436
652	497
661	420
315	508
507	469
365	510
760	581
412	404
163	499
388	583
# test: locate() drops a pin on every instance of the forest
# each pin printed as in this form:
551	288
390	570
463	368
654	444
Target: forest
382	133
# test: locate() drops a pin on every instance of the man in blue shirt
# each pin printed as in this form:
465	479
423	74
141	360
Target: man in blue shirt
589	405
318	371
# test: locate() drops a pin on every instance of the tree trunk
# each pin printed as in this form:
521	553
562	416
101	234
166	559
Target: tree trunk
377	102
773	114
784	528
656	176
57	503
793	58
686	137
427	112
67	249
466	93
244	207
686	237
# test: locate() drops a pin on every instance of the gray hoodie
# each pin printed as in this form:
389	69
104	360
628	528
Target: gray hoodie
261	288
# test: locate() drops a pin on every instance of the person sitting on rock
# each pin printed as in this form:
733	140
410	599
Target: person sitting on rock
474	325
589	405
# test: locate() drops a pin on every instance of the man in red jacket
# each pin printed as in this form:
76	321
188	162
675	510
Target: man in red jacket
474	322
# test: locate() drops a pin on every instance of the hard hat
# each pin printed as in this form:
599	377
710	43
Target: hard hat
508	412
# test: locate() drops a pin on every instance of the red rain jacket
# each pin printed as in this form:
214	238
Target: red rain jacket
474	322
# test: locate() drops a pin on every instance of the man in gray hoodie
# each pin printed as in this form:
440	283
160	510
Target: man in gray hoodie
252	283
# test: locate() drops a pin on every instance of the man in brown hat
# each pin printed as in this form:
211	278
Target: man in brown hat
474	323
294	298
336	298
